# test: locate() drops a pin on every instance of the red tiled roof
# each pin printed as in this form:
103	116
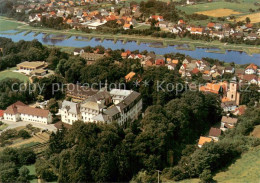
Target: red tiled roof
1	113
21	108
159	62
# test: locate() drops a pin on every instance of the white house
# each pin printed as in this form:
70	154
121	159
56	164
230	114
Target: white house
70	112
251	69
21	112
117	105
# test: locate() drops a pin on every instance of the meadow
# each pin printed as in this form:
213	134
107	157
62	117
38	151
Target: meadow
8	25
245	169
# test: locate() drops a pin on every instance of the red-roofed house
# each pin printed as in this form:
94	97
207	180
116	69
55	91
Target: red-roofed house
211	25
1	114
21	112
251	69
159	62
196	30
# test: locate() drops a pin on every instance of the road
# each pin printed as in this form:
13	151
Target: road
12	125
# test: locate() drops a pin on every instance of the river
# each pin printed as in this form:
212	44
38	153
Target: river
198	53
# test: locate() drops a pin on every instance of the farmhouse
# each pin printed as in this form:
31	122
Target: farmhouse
21	112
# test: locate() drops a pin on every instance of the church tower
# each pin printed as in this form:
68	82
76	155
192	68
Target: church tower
232	93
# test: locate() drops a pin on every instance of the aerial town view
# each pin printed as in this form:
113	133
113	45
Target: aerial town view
138	91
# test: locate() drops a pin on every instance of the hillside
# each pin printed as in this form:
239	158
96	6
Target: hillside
245	169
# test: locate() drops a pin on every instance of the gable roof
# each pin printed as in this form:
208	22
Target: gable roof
252	66
204	140
1	113
229	120
214	132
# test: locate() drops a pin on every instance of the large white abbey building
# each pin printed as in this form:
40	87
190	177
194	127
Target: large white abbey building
117	105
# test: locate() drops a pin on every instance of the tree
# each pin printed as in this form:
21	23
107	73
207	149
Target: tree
206	176
248	20
26	156
8	172
24	175
24	134
44	171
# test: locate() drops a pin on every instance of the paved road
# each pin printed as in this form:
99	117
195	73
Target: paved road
12	125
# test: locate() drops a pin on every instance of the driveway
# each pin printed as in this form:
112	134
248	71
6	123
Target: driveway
12	125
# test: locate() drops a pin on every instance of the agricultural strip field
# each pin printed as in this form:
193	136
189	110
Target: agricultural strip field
255	17
219	12
242	7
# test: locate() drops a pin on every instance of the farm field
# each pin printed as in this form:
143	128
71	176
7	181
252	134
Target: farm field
255	17
10	74
242	7
219	12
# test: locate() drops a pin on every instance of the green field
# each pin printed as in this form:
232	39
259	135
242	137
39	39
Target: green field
8	25
10	74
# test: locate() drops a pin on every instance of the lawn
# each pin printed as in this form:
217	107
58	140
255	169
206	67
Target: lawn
10	74
8	24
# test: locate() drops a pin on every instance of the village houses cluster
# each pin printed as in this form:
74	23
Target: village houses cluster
74	14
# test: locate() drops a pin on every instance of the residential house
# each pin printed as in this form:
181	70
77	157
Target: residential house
229	106
21	112
78	51
227	123
250	79
91	57
230	70
203	140
157	17
159	62
2	114
251	37
251	69
214	133
70	112
196	30
129	76
171	66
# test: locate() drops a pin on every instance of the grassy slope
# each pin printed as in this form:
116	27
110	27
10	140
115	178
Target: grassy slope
245	169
